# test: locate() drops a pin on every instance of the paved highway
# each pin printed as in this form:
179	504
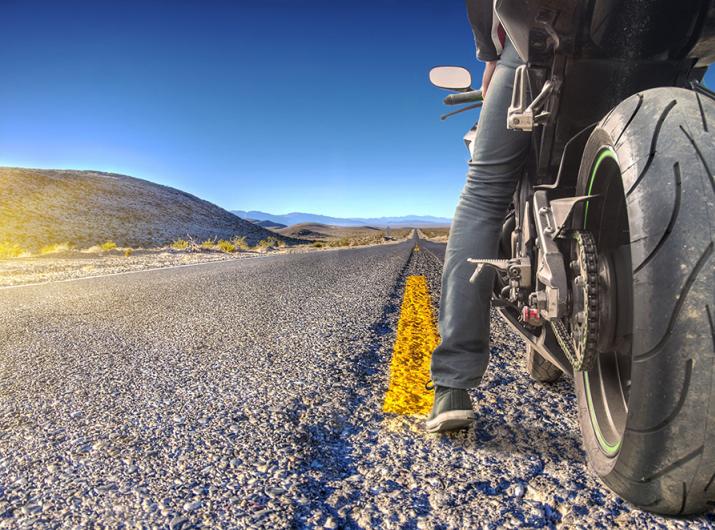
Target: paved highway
250	393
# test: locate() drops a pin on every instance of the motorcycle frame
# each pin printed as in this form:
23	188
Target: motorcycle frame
579	66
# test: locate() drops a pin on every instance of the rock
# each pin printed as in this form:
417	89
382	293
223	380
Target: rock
178	522
275	492
191	506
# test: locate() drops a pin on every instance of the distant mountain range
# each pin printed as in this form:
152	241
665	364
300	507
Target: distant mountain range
301	217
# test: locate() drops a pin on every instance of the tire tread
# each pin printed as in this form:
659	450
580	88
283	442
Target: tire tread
630	120
702	111
671	223
679	405
667	460
699	152
678	306
675	465
653	145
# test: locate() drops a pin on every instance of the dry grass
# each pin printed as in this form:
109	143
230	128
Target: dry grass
226	246
180	244
240	243
375	239
321	235
270	242
235	244
342	242
436	232
55	248
399	233
10	250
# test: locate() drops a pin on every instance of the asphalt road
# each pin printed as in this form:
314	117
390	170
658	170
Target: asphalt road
248	393
437	249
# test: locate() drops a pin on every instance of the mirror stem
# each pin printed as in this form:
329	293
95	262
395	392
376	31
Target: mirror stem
450	114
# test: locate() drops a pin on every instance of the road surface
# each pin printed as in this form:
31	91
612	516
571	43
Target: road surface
249	393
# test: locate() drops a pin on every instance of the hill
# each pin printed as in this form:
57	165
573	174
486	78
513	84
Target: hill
43	206
267	224
294	218
320	231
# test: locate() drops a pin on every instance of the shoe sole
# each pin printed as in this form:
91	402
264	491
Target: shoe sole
451	420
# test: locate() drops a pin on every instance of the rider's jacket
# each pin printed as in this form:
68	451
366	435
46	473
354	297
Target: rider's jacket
489	35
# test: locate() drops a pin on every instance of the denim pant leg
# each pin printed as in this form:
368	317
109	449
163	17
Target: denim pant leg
498	158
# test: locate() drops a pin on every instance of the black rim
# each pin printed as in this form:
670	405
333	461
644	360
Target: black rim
608	384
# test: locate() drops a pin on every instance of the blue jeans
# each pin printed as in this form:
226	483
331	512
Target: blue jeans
498	159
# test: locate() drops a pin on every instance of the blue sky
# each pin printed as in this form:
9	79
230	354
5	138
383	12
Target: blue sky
275	105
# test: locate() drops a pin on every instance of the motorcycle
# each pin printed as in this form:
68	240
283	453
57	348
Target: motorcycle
606	254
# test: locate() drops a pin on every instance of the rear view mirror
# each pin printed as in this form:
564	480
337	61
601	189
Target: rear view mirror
450	77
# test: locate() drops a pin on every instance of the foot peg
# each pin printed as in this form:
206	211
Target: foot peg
499	265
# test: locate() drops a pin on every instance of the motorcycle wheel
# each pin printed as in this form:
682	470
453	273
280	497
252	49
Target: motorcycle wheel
540	369
647	407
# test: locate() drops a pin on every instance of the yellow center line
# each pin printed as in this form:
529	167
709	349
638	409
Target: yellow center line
417	337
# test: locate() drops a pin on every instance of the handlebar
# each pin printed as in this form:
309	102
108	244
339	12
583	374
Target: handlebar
463	97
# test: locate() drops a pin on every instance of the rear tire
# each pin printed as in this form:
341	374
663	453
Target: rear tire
539	368
647	409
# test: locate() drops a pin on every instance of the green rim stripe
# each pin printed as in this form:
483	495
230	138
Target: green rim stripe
609	449
606	152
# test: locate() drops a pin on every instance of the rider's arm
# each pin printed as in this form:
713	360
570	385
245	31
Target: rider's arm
481	17
489	68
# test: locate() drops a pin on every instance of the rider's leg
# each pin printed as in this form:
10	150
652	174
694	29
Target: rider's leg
498	158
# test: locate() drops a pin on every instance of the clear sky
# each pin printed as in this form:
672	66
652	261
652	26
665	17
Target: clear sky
274	105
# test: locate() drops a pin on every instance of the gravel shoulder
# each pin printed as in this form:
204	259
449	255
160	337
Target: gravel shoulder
523	464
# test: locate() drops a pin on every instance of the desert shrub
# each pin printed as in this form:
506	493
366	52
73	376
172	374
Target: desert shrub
56	247
180	244
10	250
128	252
240	243
342	242
317	244
226	246
432	232
108	245
270	241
